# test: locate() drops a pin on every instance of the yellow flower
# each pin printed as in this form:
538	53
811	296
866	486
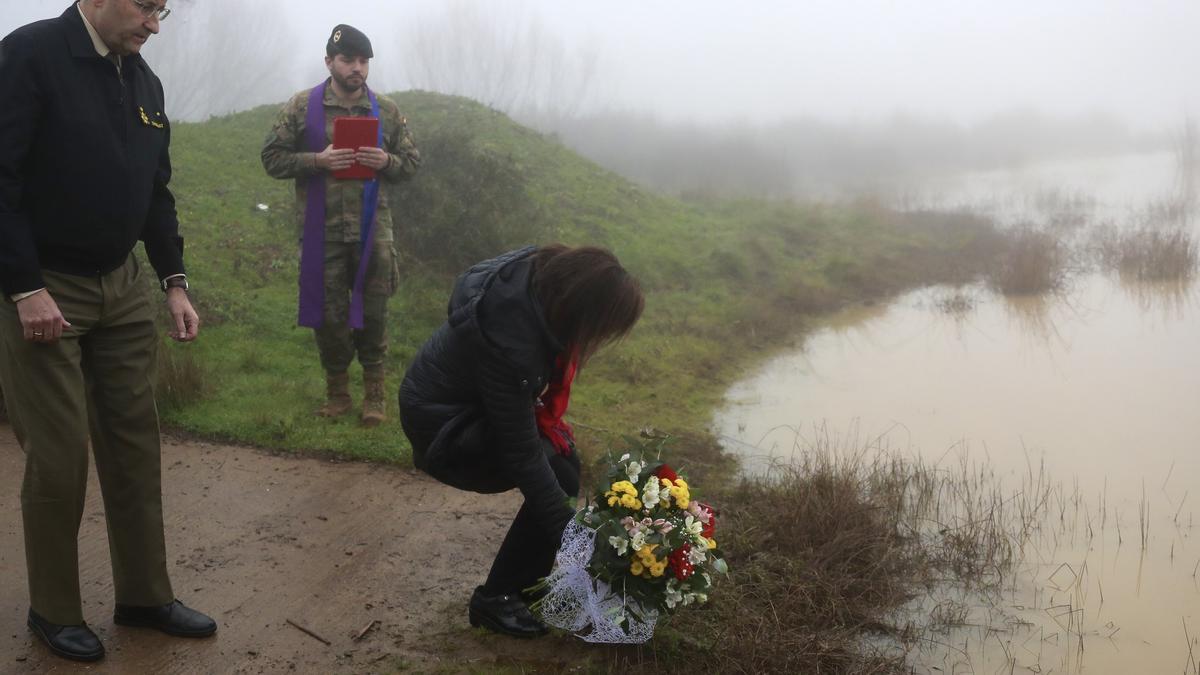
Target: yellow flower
636	568
678	489
680	492
647	562
657	569
624	486
624	493
712	543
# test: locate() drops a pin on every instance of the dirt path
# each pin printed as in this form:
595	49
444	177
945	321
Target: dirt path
255	539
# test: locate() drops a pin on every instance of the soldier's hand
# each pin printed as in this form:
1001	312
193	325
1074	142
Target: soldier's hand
183	316
372	158
330	159
41	320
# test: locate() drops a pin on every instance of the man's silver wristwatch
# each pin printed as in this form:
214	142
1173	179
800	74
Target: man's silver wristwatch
175	282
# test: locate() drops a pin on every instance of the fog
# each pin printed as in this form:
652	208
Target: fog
899	86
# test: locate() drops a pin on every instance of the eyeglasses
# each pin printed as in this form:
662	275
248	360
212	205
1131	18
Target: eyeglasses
149	9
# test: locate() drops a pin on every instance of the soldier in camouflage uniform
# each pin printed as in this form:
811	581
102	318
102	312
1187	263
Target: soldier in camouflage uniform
285	155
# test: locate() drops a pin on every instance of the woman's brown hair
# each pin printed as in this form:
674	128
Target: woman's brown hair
587	298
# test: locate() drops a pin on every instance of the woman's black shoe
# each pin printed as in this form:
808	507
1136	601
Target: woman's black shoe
507	614
78	642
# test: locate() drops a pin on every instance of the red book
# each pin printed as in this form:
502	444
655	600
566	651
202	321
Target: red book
355	133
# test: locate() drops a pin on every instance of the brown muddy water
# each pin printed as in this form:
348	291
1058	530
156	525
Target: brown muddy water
1089	397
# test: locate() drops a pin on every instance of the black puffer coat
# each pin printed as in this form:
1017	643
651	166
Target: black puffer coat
467	400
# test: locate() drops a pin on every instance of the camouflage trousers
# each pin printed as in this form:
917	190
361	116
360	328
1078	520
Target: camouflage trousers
337	344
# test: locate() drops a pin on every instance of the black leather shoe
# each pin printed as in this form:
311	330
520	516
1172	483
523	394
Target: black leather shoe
173	619
78	643
507	614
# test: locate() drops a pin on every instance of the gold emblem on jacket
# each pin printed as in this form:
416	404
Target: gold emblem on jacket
156	122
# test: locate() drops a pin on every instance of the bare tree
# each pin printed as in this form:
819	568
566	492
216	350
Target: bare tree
501	56
219	56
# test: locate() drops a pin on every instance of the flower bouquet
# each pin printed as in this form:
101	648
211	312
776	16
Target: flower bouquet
643	546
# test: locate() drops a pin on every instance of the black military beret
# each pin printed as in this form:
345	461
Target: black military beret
348	40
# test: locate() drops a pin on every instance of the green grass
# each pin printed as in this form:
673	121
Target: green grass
726	281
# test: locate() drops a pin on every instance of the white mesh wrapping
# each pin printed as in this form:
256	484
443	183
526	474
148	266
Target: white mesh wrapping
588	608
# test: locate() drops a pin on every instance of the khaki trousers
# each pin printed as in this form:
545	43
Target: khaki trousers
97	382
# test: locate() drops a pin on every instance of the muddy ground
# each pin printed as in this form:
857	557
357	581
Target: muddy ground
255	539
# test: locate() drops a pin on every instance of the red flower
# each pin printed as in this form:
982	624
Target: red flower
664	471
711	525
679	562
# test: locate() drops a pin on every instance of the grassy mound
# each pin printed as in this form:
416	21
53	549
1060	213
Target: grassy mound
725	280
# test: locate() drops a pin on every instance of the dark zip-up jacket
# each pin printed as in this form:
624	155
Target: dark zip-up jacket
84	161
470	391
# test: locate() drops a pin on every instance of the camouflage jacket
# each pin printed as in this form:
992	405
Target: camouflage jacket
284	156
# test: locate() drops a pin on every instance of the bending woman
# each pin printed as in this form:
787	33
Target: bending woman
483	400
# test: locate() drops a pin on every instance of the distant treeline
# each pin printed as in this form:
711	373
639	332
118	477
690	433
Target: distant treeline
808	157
503	57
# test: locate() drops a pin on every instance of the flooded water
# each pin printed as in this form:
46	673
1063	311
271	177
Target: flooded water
1097	386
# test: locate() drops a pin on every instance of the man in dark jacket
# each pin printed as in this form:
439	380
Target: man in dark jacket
84	168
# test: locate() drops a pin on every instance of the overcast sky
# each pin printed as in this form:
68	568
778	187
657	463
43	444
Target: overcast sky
761	60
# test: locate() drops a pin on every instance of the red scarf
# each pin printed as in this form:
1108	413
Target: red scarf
553	405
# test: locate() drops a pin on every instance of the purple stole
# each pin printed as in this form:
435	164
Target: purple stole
312	253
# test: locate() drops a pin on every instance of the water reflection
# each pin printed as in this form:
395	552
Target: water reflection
1097	386
1079	406
1165	301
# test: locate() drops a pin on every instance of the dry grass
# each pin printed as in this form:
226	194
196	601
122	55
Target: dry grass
181	379
1193	643
1148	253
829	553
1030	260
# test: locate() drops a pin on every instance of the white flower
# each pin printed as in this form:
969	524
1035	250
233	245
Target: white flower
637	540
674	595
623	458
693	527
650	491
697	555
633	471
619	543
707	579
